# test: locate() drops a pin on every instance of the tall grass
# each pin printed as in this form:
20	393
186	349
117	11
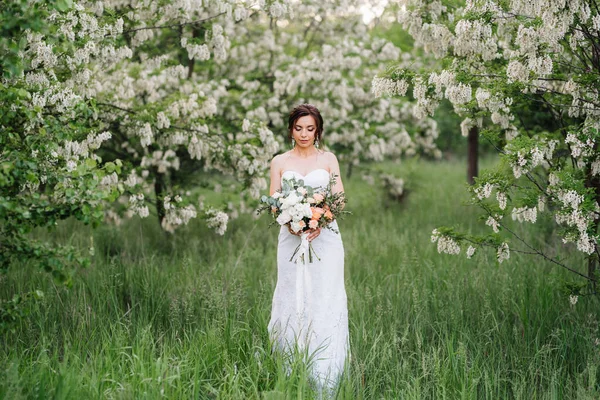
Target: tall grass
187	318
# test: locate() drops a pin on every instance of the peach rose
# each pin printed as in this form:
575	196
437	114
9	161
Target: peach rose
316	212
328	214
318	197
301	224
313	224
274	209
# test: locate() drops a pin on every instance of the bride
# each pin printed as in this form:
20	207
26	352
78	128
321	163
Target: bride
309	307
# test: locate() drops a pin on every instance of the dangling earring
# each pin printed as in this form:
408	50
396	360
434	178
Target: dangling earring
317	143
293	143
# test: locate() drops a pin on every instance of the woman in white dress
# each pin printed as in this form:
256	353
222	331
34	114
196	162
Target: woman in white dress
309	310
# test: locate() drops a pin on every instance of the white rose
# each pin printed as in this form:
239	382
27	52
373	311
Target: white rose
290	200
284	218
296	215
307	210
296	226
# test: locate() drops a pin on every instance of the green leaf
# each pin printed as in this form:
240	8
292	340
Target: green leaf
90	162
64	5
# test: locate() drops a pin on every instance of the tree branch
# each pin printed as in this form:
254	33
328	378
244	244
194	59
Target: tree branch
199	21
536	251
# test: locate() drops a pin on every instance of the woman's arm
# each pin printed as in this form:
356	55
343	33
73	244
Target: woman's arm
334	168
275	175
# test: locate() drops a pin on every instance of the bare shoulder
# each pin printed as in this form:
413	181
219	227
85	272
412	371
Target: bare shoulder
330	157
277	161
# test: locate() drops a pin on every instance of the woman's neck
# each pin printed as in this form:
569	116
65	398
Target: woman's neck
305	153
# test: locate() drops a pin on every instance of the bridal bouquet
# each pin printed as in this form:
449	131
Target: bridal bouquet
303	208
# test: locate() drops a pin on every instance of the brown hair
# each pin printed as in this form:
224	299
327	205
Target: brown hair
301	111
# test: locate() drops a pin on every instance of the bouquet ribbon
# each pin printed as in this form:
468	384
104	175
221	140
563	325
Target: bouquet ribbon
303	284
302	250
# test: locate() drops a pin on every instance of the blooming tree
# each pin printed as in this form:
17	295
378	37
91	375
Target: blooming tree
320	55
49	170
196	89
143	96
503	61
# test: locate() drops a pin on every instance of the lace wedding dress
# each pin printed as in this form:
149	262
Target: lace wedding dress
309	304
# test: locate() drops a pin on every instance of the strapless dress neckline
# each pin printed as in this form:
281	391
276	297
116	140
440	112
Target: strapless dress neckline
304	176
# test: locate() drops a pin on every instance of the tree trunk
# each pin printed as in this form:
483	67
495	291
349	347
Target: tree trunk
159	192
192	61
472	154
592	268
593	182
349	171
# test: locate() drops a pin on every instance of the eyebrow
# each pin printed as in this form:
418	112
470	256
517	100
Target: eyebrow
308	126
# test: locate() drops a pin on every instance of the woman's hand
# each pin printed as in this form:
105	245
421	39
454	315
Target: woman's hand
312	233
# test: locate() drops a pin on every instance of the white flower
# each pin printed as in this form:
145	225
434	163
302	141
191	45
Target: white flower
573	299
162	121
445	244
390	87
290	201
143	211
296	226
284	218
491	221
485	191
470	251
524	214
503	252
245	125
501	197
466	125
459	93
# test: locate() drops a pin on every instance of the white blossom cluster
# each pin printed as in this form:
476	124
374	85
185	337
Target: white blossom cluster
390	87
470	251
524	160
494	222
467	124
72	152
527	214
217	220
571	213
502	199
393	185
503	252
484	191
474	38
445	244
137	205
176	215
199	52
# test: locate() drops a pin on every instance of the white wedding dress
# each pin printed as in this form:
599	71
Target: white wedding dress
309	304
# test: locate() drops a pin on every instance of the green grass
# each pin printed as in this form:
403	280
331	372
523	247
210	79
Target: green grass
187	318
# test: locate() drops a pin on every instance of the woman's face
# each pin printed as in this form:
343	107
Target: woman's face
304	131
